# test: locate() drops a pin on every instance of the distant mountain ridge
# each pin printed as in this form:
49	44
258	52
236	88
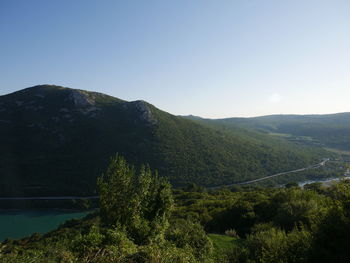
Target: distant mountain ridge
57	140
330	130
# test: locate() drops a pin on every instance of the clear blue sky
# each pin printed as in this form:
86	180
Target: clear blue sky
202	57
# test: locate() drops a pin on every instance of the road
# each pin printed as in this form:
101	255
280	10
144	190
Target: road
321	164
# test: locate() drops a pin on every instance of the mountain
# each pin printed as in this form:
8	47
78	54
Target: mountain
329	130
56	141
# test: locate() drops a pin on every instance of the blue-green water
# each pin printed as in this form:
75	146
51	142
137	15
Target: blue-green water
17	224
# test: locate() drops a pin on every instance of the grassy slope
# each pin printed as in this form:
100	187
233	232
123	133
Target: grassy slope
223	244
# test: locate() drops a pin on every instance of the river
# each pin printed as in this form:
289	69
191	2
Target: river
20	223
324	181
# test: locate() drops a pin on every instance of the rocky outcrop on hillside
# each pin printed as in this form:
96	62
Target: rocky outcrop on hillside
143	109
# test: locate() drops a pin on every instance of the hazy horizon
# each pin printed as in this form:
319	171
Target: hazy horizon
210	59
300	114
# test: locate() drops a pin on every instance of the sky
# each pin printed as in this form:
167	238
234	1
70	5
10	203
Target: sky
208	58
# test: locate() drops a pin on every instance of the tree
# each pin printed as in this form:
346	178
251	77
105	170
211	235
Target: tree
269	244
317	186
139	203
291	184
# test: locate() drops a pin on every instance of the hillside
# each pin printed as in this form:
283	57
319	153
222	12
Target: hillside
330	130
56	141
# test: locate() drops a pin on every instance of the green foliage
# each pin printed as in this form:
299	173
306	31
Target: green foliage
332	233
295	206
331	129
116	194
132	226
286	225
277	225
190	235
225	247
317	187
272	245
291	184
140	203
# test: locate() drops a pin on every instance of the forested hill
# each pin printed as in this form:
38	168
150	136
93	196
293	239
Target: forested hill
56	141
330	130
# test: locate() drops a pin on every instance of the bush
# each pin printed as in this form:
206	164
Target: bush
188	234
